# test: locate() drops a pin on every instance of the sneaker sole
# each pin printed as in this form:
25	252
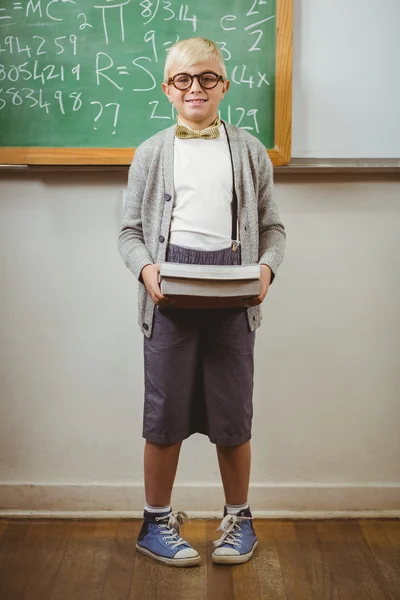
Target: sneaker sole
233	559
174	562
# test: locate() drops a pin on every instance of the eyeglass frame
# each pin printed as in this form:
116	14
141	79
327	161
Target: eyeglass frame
192	78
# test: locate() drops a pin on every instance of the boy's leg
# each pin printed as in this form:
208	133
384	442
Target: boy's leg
228	362
238	540
170	359
160	465
159	537
234	464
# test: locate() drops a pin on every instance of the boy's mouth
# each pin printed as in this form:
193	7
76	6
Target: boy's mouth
196	101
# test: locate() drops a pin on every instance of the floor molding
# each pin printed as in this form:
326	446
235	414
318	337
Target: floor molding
272	500
257	514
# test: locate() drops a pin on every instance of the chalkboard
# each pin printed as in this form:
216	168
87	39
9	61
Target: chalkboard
86	74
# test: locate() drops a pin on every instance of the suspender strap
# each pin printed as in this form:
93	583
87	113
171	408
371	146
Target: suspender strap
234	196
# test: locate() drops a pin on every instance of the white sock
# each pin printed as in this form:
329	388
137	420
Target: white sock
234	509
156	509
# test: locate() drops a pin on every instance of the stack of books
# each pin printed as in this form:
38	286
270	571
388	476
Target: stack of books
209	286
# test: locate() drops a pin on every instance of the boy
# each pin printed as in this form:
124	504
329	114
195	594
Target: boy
185	185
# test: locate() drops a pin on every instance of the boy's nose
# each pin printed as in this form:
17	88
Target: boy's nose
196	87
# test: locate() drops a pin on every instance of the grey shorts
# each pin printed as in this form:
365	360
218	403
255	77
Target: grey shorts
199	369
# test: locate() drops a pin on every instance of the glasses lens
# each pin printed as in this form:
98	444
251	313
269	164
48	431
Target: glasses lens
208	80
182	82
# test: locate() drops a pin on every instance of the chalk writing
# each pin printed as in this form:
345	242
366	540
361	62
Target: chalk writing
85	23
51	9
109	8
226	55
253	10
154	82
100	70
95	68
153	114
227	18
101	108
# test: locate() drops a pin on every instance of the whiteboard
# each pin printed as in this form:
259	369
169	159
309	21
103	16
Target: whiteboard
346	79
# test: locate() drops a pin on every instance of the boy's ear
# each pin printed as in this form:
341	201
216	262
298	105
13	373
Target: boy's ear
166	89
226	87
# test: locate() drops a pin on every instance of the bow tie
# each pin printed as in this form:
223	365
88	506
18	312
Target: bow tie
209	133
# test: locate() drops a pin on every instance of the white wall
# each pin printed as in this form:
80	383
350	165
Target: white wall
327	412
346	85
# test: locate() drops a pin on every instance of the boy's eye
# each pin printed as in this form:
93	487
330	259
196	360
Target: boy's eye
208	80
183	79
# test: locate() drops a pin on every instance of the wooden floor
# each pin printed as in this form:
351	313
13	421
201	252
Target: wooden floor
295	560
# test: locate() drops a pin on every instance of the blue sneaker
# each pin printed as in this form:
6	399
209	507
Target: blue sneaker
159	539
238	540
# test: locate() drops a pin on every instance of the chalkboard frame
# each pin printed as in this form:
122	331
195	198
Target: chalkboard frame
280	154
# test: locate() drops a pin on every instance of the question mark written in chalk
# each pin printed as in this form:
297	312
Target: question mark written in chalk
100	104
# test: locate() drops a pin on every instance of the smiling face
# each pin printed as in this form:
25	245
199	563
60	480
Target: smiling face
197	107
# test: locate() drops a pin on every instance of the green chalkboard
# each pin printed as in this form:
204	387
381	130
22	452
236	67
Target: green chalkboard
87	73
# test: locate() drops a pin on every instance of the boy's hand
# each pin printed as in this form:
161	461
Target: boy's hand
265	281
150	278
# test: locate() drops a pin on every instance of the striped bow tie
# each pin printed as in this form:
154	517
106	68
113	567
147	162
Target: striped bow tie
209	133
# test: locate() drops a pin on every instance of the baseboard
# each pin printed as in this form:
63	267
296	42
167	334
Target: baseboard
272	500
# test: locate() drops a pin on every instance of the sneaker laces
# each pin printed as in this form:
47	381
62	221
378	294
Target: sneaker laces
230	525
172	529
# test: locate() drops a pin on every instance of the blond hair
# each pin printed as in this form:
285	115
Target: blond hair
186	53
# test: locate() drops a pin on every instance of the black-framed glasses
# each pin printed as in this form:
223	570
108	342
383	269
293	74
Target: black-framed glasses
208	80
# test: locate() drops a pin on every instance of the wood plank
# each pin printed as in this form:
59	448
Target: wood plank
91	581
266	561
219	577
346	577
195	533
355	574
78	555
245	580
89	156
317	567
66	156
387	557
11	541
278	159
320	560
51	541
189	582
3	527
392	530
294	573
146	577
28	557
120	568
283	90
372	574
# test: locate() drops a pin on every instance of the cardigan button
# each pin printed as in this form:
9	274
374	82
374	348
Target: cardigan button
167	197
161	239
145	327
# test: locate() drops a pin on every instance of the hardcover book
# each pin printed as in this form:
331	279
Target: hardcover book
209	286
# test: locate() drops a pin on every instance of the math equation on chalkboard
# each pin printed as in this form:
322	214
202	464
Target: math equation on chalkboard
88	73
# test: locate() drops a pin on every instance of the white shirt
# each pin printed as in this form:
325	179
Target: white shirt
201	216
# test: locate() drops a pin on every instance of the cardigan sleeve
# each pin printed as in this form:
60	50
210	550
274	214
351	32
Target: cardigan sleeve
131	243
272	234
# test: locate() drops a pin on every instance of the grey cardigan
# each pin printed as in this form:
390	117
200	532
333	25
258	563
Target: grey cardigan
145	227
